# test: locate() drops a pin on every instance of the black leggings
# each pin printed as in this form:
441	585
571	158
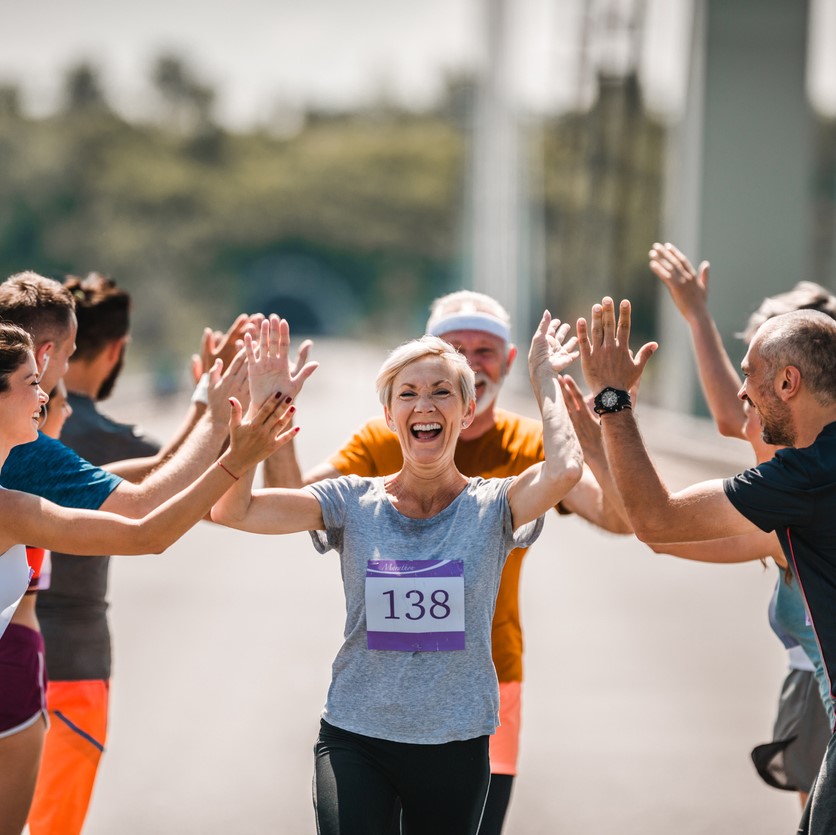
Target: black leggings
493	816
499	796
359	779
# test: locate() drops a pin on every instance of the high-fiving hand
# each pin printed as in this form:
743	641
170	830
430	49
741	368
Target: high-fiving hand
688	286
548	349
268	362
605	352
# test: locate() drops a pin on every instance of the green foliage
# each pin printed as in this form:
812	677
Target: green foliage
603	196
187	218
354	219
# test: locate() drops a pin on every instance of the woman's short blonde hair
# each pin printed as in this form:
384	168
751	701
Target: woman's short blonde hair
417	349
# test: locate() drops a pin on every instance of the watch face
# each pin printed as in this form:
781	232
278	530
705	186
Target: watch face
609	399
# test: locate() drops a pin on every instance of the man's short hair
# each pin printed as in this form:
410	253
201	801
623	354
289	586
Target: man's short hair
806	295
469	310
41	306
103	312
805	339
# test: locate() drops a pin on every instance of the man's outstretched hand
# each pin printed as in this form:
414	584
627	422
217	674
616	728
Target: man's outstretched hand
604	345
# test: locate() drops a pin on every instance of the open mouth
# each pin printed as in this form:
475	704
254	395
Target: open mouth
425	431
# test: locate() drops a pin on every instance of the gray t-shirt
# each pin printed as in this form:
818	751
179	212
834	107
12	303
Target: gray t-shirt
420	594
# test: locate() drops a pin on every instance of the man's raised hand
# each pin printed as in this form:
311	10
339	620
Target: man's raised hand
605	352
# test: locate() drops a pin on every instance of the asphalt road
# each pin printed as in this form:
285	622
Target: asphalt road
649	679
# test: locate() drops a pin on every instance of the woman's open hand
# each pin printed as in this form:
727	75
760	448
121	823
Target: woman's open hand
258	435
268	362
550	350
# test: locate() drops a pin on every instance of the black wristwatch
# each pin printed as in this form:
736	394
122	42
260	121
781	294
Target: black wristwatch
611	400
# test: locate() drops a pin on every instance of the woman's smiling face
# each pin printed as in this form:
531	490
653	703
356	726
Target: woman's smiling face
21	403
426	410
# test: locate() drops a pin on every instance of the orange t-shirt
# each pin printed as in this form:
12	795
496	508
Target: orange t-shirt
511	446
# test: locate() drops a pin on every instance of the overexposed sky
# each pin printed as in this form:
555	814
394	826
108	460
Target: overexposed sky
262	53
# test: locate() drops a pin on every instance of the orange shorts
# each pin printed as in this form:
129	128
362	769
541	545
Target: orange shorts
73	748
505	743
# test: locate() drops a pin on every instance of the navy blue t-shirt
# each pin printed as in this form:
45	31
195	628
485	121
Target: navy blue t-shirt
794	494
53	471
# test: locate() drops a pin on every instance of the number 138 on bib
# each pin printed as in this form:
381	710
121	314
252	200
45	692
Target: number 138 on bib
415	605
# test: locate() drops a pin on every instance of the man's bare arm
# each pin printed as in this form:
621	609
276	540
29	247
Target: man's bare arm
699	512
595	497
689	290
731	550
200	448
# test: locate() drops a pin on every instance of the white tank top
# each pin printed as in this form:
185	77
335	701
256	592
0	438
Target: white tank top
14	580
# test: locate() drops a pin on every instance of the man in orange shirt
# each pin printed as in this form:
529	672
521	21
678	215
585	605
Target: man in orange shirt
496	445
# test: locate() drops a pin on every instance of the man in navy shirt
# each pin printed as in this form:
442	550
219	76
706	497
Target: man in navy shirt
790	380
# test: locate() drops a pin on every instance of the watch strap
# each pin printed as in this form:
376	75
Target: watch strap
610	400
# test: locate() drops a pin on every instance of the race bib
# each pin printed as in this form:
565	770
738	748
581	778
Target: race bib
415	605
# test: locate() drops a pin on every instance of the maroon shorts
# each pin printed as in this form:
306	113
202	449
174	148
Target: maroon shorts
22	679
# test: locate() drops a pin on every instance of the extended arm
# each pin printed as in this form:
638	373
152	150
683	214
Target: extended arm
699	512
214	346
595	497
732	549
26	518
689	290
271	510
543	485
272	371
197	452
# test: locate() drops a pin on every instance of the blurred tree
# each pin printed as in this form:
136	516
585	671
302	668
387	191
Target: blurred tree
10	102
83	90
603	196
187	101
356	215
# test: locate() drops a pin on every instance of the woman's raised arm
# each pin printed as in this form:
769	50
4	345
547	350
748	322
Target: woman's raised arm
543	485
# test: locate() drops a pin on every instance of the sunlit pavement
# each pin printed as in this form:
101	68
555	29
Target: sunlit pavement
649	679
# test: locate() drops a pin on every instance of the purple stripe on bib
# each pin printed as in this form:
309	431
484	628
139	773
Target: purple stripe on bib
415	568
420	642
